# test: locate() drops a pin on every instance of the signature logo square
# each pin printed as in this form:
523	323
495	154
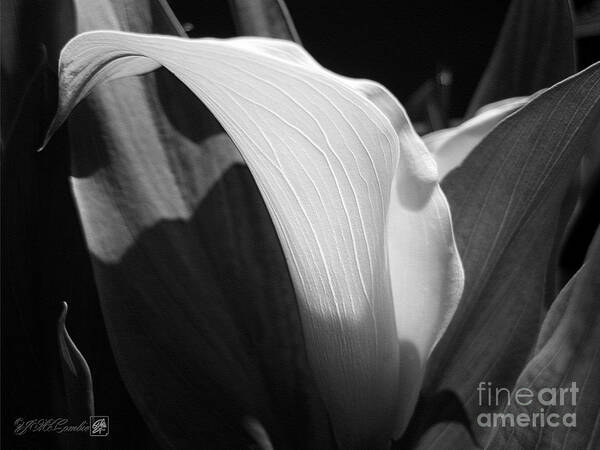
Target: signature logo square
99	426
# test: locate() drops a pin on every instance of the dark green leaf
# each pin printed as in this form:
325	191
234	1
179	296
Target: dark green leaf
507	201
586	217
78	386
567	356
535	49
193	286
269	18
42	244
76	372
432	409
587	21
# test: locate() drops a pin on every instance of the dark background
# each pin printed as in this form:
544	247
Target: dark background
400	44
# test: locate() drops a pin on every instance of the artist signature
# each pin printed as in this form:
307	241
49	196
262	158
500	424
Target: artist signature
48	425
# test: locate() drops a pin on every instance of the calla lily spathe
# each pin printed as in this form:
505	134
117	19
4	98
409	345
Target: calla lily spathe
354	195
451	146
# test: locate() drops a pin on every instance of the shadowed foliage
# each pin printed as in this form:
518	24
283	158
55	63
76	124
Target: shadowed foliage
567	356
249	290
508	206
535	49
202	318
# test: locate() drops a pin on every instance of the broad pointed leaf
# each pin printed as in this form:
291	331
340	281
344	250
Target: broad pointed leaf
347	190
193	287
563	373
535	50
506	200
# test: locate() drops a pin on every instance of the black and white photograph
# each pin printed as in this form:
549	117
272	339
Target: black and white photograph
300	225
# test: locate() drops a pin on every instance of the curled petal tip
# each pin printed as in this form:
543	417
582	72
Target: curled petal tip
260	436
325	157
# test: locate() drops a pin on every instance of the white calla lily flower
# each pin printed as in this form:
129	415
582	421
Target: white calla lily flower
354	195
451	146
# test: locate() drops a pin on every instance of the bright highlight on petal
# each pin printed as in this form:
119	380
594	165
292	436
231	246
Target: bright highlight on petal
425	268
354	196
451	146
